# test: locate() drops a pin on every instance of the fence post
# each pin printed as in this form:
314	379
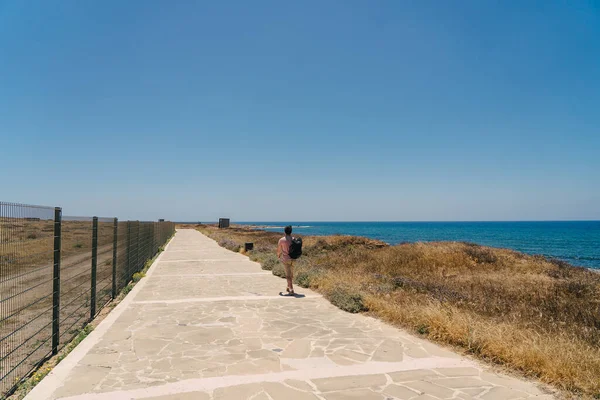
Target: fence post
150	240
94	266
154	247
144	233
128	251
114	260
137	248
56	281
158	235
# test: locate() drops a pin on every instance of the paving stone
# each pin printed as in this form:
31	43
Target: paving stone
400	392
258	354
298	349
301	385
299	332
147	347
183	396
340	360
317	353
425	397
261	396
512	383
349	382
438	351
503	393
352	355
83	380
390	351
362	394
279	391
239	392
454	372
461	382
416	352
100	360
413	375
473	391
431	389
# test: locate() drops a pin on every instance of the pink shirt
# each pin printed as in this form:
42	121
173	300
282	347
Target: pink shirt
283	248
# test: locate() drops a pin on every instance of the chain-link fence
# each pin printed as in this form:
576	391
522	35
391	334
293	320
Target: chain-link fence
57	273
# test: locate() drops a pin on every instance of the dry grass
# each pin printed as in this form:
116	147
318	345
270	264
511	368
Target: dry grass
534	315
26	245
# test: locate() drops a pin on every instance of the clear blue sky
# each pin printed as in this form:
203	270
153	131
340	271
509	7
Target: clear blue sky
309	110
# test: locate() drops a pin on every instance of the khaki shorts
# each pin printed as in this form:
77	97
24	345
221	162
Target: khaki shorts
287	265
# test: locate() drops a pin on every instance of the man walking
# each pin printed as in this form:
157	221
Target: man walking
283	253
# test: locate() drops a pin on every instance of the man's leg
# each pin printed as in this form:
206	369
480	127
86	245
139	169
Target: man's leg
289	274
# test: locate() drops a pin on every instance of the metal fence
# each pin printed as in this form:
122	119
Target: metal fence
57	273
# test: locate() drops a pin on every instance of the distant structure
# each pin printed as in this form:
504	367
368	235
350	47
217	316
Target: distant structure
223	222
161	220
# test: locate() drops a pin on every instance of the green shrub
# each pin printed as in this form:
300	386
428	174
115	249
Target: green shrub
270	261
127	289
346	300
230	245
306	278
259	256
255	256
480	254
83	333
148	264
137	276
278	270
303	279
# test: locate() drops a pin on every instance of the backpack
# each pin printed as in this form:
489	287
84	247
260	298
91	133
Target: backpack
295	248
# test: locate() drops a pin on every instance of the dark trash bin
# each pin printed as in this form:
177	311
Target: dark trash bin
248	246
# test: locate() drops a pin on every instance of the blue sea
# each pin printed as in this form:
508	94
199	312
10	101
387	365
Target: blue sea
576	242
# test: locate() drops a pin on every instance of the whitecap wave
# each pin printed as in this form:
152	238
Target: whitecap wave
278	227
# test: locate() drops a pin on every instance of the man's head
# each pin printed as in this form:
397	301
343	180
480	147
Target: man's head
288	230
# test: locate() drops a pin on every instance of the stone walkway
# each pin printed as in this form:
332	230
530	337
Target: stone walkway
207	323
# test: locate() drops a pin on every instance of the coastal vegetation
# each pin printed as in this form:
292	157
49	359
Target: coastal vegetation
537	316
